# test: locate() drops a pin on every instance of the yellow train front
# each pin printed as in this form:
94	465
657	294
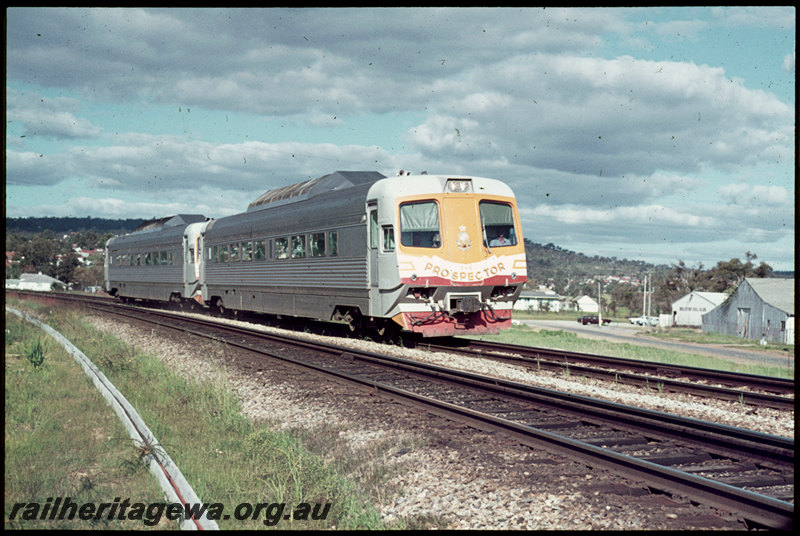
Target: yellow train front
446	254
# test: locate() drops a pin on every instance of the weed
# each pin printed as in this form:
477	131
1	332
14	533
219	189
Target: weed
36	354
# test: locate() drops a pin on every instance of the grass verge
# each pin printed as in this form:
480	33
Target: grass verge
226	458
53	405
572	342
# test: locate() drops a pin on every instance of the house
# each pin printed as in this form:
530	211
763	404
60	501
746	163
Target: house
586	304
38	281
538	300
689	310
759	308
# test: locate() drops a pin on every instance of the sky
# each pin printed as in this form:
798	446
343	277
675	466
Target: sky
654	134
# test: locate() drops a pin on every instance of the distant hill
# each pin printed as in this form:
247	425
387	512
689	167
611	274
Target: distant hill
566	270
69	224
547	264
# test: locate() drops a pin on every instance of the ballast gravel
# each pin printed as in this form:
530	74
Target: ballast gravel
434	473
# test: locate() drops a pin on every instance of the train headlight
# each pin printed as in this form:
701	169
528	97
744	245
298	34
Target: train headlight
458	185
413	277
513	275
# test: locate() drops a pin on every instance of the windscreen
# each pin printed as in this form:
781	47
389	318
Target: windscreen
497	220
419	224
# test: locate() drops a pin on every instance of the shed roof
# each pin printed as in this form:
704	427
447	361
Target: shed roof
38	278
715	298
779	293
539	294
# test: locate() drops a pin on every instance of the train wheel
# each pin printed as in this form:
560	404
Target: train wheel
385	328
175	302
355	322
219	308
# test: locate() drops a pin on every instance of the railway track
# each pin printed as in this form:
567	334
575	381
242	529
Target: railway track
749	389
746	473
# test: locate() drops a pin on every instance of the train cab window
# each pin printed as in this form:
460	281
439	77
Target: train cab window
247	251
298	247
497	221
333	244
388	238
316	245
281	248
259	250
419	224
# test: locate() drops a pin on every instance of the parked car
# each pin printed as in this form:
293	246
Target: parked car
644	320
592	319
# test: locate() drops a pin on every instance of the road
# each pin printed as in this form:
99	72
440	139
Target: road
619	332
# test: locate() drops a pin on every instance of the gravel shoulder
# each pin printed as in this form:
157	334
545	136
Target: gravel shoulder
431	473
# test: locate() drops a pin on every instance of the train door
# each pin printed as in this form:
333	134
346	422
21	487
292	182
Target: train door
193	258
383	274
372	248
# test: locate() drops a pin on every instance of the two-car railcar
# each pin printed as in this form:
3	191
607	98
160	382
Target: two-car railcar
432	254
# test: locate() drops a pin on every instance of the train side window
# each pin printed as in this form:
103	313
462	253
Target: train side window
164	258
223	253
388	238
298	247
247	251
333	244
316	245
259	250
419	224
497	221
281	248
235	253
373	229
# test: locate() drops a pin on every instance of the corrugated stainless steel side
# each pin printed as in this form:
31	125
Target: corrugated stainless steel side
152	282
325	272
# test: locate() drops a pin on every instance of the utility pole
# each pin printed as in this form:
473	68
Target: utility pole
599	307
644	297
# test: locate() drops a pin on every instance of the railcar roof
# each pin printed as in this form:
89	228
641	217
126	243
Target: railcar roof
310	188
169	221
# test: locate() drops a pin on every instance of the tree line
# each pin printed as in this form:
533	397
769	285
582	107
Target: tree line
575	274
50	251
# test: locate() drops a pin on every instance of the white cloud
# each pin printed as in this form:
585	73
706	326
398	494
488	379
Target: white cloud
756	195
599	147
639	215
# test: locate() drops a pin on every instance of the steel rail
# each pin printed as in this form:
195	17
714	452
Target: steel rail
655	379
756	508
766	383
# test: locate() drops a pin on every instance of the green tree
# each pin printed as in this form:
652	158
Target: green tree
65	271
40	253
89	276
